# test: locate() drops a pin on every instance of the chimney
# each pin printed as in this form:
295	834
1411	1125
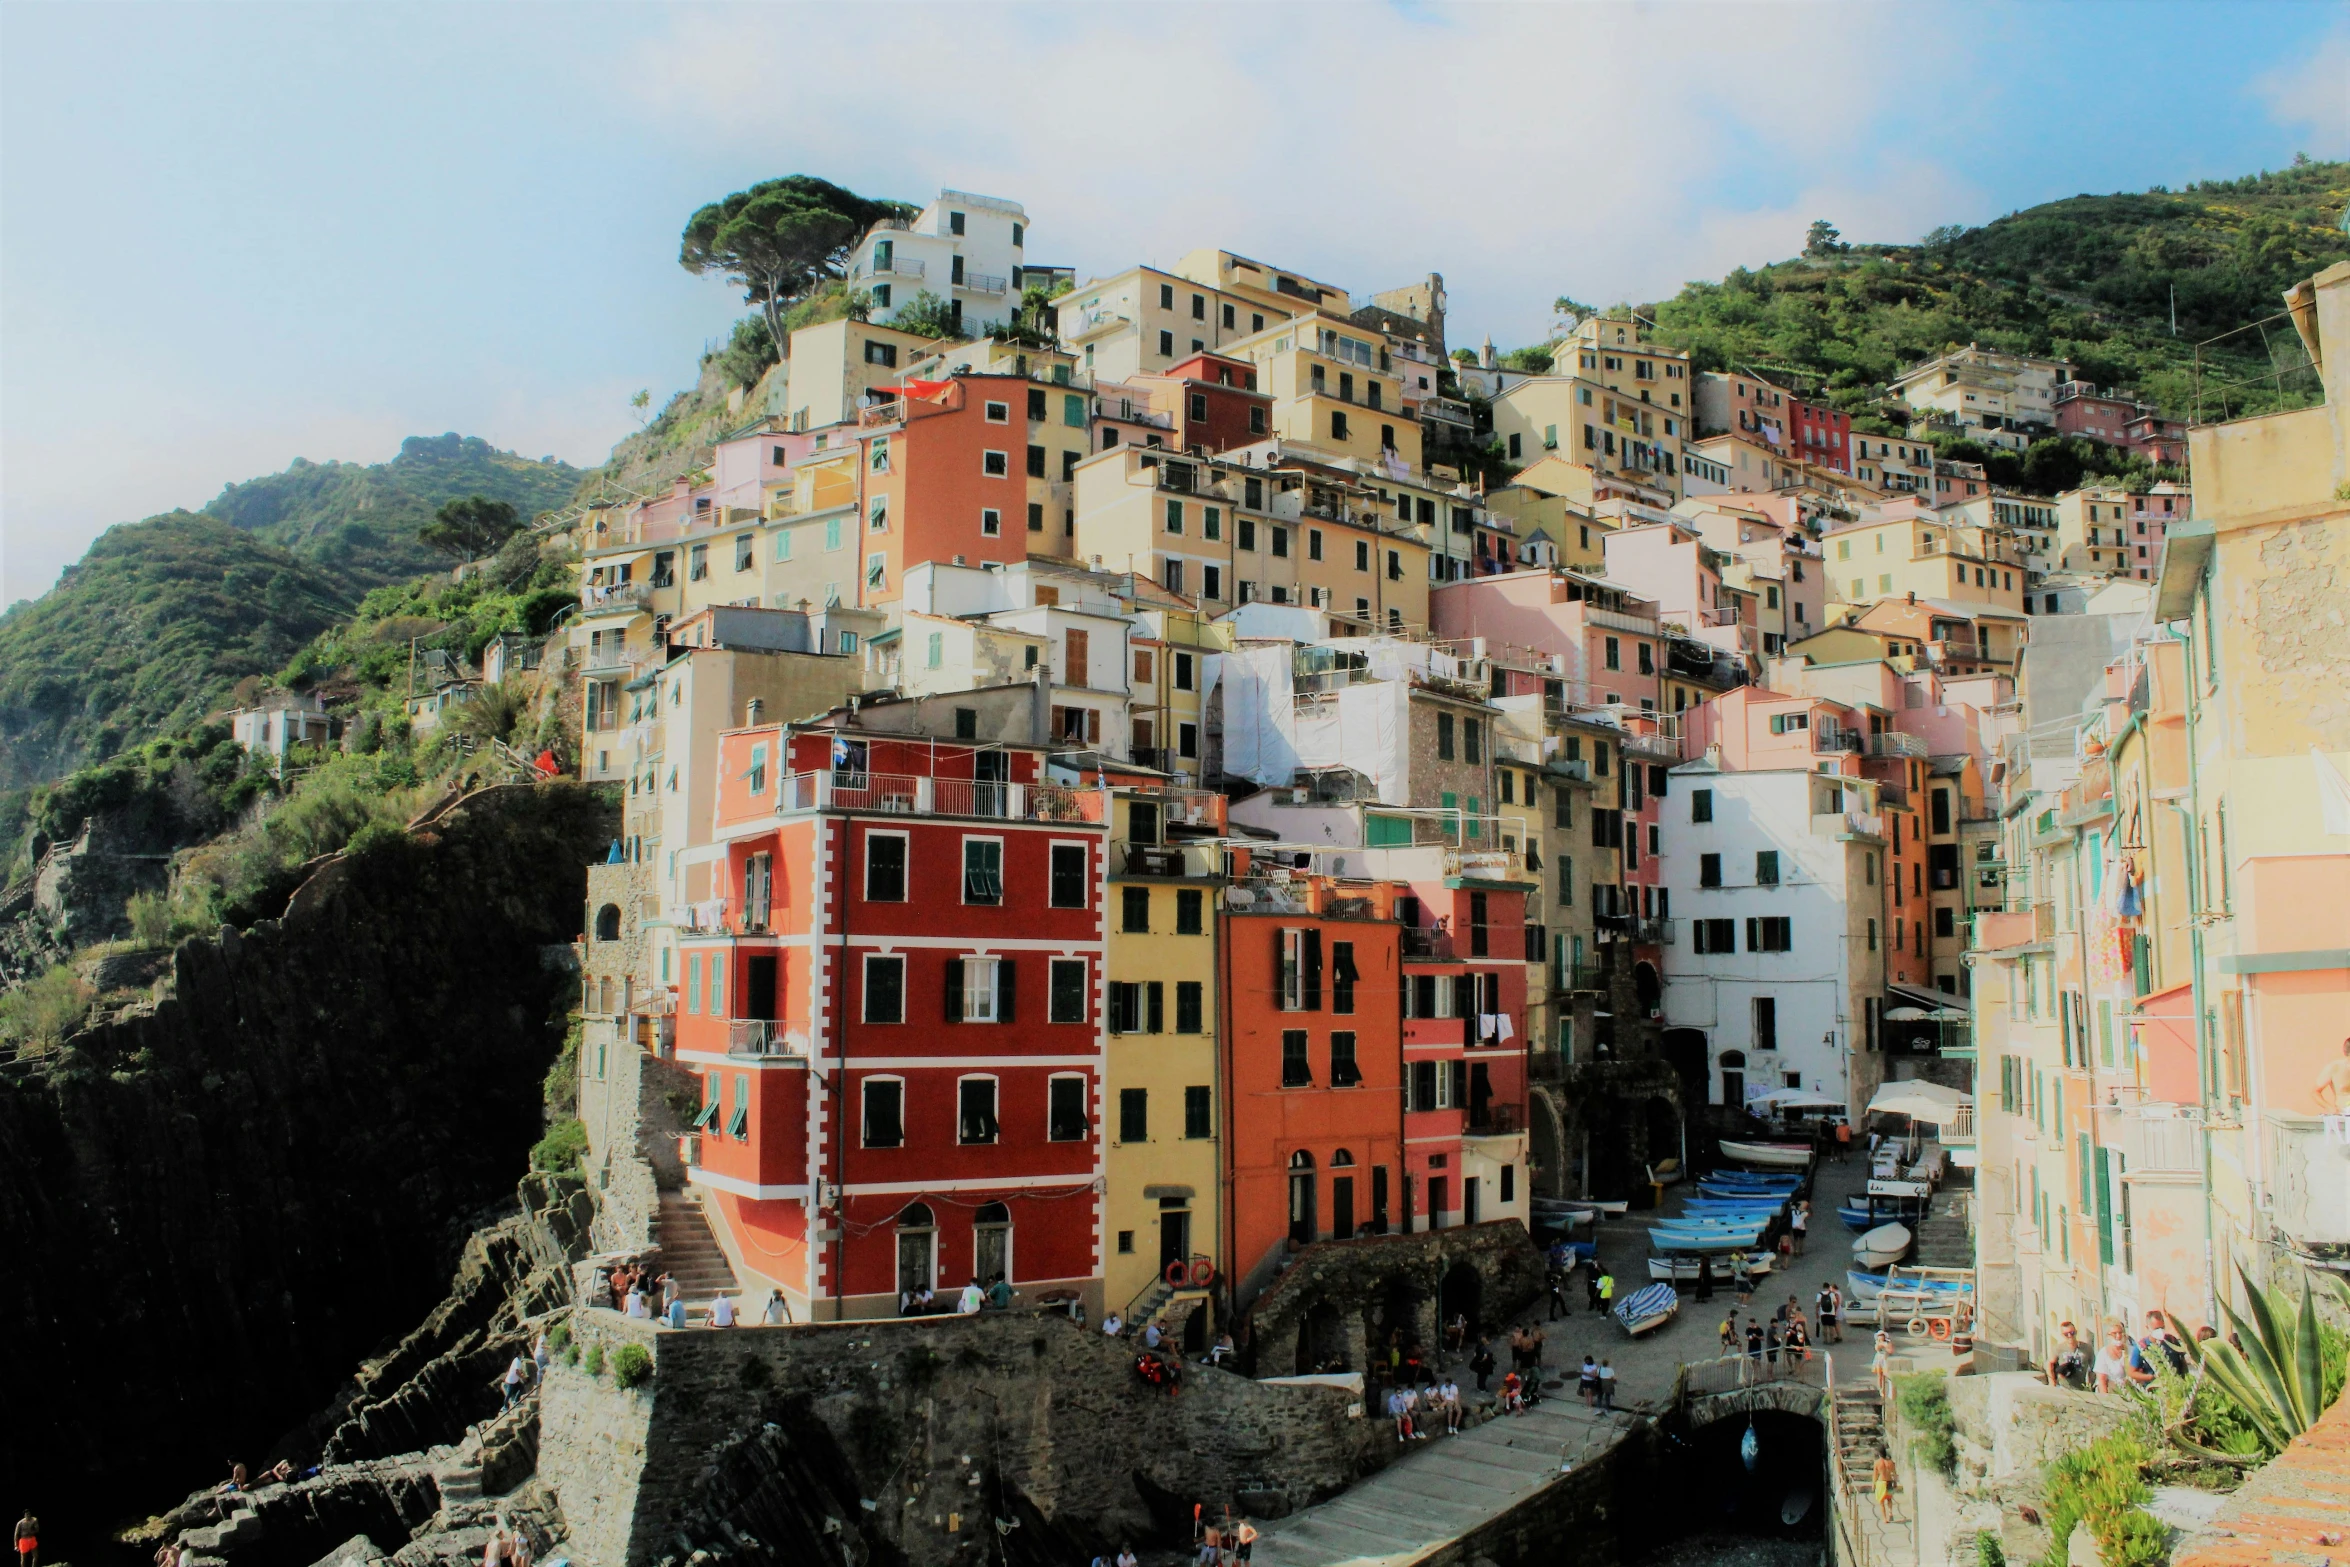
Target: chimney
1913	601
751	713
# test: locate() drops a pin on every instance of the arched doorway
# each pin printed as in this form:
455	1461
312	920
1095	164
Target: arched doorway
991	1244
917	1248
1342	1196
1660	1128
1321	1340
1684	1050
1733	1063
1460	1294
1301	1198
1398	1317
1648	989
608	922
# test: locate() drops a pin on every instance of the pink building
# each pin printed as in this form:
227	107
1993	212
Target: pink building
1602	643
1670	565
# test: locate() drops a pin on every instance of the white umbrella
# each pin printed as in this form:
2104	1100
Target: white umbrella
1920	1101
1797	1099
1905	1015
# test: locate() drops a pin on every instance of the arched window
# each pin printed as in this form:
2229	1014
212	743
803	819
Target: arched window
1734	1079
917	1251
1341	1158
916	1216
608	922
1302	1218
991	1244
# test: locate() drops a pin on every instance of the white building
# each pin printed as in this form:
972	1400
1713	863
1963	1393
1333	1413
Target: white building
966	249
1774	880
279	723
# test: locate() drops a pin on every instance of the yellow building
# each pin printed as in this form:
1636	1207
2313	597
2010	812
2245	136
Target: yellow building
834	364
2106	530
1620	435
1335	388
2001	399
1161	1149
1916	551
1142	320
1577	539
1223	534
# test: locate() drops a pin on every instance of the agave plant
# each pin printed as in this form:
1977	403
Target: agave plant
2277	1379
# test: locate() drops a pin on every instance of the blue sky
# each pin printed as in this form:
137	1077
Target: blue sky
233	235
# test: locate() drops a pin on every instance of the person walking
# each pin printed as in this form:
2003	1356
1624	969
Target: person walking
1730	1334
28	1540
1797	1226
1561	1304
1754	1341
1607	1291
1836	1299
1607	1386
1881	1366
1843	1141
512	1382
1705	1278
1244	1542
1824	1308
1771	1338
1742	1277
541	1356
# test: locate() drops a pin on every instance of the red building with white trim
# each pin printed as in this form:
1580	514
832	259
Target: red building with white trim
895	1011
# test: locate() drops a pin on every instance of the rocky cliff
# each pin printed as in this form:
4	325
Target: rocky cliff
217	1206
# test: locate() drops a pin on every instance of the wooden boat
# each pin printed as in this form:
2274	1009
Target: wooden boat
1664	1172
1763	1204
1705	1240
1774	1156
1683	1270
1882	1246
1567	1206
1716	1225
1711	1188
1647	1309
1753	1178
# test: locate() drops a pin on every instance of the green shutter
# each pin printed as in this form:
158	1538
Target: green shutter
1072	406
1387	832
2104	1209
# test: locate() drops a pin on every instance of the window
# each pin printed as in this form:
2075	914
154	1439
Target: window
1714	935
1296	1070
1872	935
1709	870
1766	868
1068	876
1136	910
1211	582
1068	990
885	989
877	571
994	465
1472	741
883	1100
1701	805
1563	808
1188	996
1444	737
1190	906
1766	1023
1343	975
1298	960
1343	1071
1134	1115
878	353
991	522
975	1110
885	867
1280	540
1199	1111
1000	413
1771	934
1167	344
1183	671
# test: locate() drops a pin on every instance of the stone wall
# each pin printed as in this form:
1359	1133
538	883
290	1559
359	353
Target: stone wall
1344	1298
914	1438
2010	1423
234	1196
1597	1515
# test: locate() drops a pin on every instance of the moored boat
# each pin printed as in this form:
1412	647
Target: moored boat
1648	1308
1705	1240
1861	1215
1684	1269
1774	1156
1881	1247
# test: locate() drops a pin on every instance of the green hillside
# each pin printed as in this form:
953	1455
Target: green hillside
2089	278
358	521
145	633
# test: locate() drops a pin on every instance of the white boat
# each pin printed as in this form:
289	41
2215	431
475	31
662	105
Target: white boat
1774	1156
1683	1270
1694	1241
1881	1247
1569	1208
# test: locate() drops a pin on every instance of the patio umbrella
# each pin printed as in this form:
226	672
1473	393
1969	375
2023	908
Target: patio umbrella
1920	1101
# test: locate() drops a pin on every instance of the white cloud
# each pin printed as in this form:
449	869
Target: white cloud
2312	97
1523	151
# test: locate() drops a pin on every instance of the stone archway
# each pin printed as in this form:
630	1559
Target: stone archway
1547	1147
1461	1293
1648	989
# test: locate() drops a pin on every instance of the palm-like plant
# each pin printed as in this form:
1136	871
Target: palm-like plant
2278	1378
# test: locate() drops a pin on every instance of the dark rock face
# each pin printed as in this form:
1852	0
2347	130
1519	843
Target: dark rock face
215	1208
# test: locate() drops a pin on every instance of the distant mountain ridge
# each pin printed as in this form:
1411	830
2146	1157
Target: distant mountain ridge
154	625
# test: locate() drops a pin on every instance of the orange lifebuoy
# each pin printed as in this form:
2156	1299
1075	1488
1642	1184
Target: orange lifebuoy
1938	1327
1177	1272
1202	1273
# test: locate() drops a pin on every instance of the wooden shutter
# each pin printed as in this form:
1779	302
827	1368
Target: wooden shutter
1005	972
954	998
1310	962
1155	1008
1073	657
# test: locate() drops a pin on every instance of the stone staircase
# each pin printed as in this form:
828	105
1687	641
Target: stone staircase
1946	1234
1860	1434
689	1252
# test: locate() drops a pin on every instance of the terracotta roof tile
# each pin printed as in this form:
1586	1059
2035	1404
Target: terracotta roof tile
2294	1512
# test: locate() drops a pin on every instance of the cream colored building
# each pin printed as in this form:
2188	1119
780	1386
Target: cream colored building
2000	399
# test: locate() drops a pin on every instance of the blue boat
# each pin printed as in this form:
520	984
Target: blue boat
1754	1179
1863	1214
1714	1186
1762	1205
1647	1308
1705	1240
1721	1221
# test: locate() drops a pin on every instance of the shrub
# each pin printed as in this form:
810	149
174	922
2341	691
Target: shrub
595	1360
2102	1485
1988	1551
1924	1401
632	1364
560	1088
559	1337
561	1149
45	1011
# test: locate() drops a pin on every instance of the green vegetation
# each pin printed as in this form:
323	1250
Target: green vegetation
561	1087
1923	1398
2289	1371
358	523
780	240
632	1365
927	315
42	1013
1988	1551
561	1149
2103	1486
2090	279
469	529
595	1360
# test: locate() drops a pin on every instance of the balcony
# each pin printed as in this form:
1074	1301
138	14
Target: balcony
1167	860
1588	977
1495	1120
1661	747
2154	1139
901	794
623	596
1894	743
1828	741
1424	945
1848	824
895	266
2311	1190
1616	620
1657	932
764	1037
1959	1130
981	283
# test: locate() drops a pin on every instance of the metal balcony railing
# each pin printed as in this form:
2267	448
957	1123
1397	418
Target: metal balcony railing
751	1036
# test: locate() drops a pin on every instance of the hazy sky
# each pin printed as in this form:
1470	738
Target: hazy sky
233	235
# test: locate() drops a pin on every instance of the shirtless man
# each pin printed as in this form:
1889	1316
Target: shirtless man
2333	1085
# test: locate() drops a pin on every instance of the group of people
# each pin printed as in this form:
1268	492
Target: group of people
637	1291
1597	1384
1227	1544
1415	1410
974	1297
2121	1361
1786	1331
